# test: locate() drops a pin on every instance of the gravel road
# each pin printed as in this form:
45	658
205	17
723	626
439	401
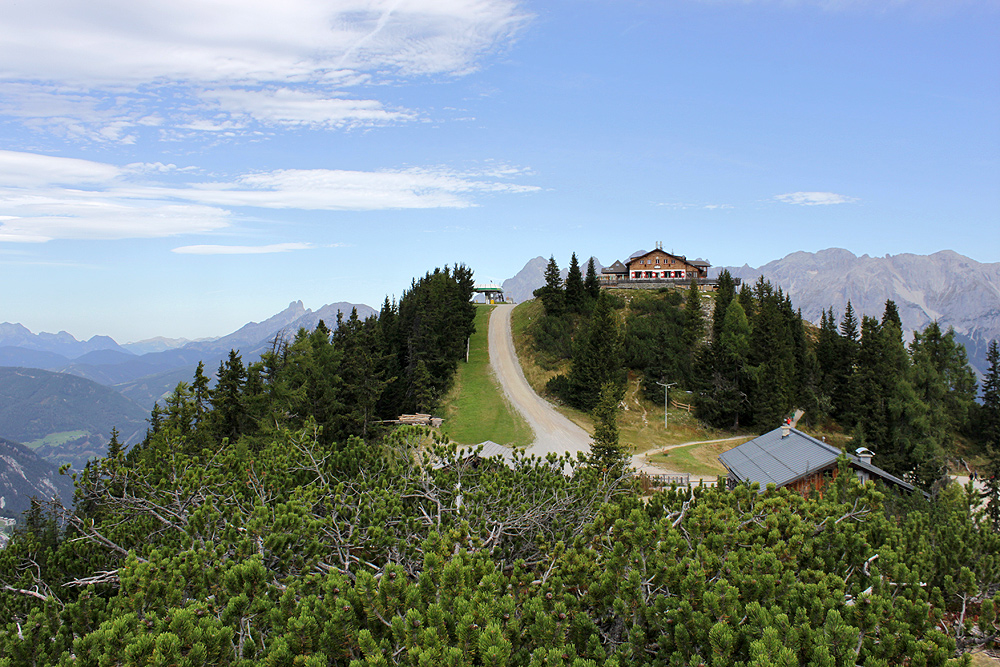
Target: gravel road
553	432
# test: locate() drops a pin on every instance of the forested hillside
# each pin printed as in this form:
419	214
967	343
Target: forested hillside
754	361
67	418
272	520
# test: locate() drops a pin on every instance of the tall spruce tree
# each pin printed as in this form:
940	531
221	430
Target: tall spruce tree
725	291
827	352
772	357
576	294
597	358
842	373
990	419
605	450
362	371
727	379
229	418
694	319
591	283
943	380
551	293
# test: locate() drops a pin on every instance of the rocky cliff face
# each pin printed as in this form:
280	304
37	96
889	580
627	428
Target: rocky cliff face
952	289
24	475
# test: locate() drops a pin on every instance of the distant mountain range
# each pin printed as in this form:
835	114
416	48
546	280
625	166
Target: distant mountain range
946	287
92	385
62	343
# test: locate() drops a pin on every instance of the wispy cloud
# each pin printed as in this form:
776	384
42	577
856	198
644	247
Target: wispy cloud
681	206
814	198
240	249
44	197
286	106
250	60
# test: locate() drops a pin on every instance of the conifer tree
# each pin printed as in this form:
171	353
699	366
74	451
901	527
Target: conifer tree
229	418
362	372
849	325
875	383
828	352
725	292
694	320
771	356
551	293
423	388
200	393
591	283
842	373
990	422
605	450
724	399
597	359
575	290
943	380
891	314
890	417
114	445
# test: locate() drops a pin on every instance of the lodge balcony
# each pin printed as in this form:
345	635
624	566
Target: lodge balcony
657	283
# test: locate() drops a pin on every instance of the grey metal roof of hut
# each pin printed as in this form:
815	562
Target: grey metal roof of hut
771	458
490	450
617	267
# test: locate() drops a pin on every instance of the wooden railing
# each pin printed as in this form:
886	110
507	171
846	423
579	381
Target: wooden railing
653	283
651	483
681	406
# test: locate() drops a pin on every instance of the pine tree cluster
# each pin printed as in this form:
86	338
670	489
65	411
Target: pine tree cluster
269	520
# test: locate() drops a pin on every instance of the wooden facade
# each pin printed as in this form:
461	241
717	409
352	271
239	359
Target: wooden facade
659	264
789	458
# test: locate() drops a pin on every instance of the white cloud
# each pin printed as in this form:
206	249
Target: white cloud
286	106
44	197
240	249
31	169
814	198
96	69
98	216
682	206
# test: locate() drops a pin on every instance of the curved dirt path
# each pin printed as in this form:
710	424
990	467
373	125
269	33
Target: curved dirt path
553	432
642	463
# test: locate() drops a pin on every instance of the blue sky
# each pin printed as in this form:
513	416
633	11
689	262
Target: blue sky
180	168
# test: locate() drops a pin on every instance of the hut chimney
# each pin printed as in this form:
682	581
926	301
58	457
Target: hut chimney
864	454
786	428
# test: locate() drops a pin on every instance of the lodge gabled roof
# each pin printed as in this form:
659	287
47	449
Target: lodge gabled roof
771	458
617	267
641	255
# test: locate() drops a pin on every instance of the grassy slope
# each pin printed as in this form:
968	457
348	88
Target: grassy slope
476	408
640	425
56	439
701	459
